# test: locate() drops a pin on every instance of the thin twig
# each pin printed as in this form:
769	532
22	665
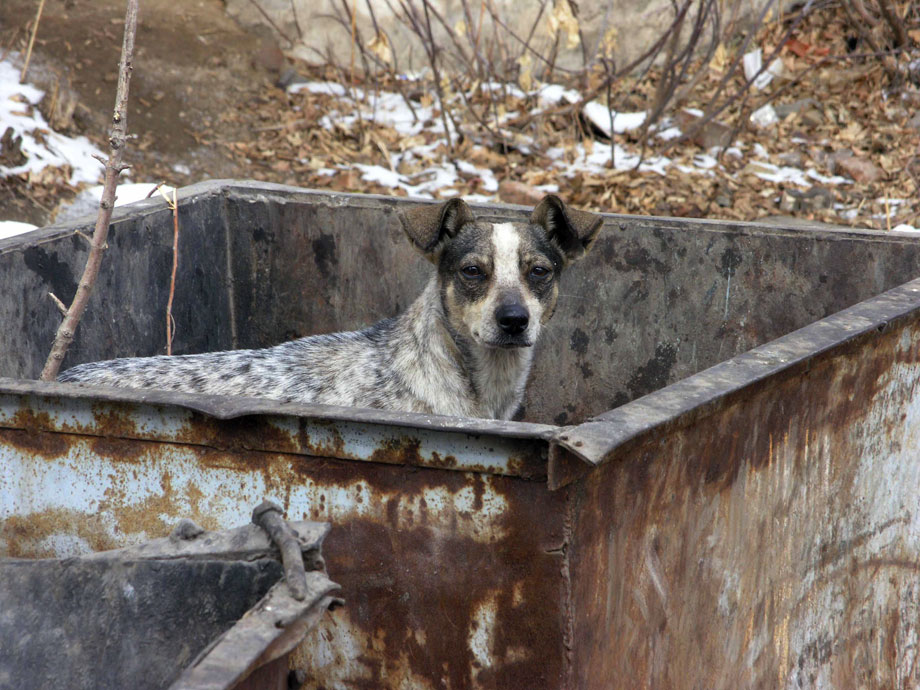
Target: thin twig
896	24
296	20
25	66
113	168
58	303
170	323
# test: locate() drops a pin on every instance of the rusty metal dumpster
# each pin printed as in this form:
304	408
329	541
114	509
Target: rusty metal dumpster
714	482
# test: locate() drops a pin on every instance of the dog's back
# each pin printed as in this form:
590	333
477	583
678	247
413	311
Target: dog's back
338	369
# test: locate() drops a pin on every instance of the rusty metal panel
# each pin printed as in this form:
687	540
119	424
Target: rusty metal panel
772	543
452	576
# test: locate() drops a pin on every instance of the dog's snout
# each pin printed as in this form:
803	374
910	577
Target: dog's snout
512	318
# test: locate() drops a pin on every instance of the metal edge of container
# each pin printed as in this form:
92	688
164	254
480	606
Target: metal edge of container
270	190
145	206
235	424
576	449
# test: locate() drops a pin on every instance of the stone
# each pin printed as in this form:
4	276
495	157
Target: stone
860	169
792	158
784	110
513	192
712	134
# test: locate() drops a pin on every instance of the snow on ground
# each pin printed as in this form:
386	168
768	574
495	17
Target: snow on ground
354	107
9	228
41	146
44	148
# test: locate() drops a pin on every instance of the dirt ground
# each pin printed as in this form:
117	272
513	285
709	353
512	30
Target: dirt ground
205	104
192	64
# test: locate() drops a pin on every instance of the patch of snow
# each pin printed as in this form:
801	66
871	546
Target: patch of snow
696	112
599	158
764	116
906	229
753	63
181	169
705	161
9	228
329	88
479	198
382	176
548	188
504	88
826	179
42	146
600	116
669	133
487	177
551	94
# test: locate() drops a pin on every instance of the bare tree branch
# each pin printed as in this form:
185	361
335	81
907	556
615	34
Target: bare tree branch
117	136
25	65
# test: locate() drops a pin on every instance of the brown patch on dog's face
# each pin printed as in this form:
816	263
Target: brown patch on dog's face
499	282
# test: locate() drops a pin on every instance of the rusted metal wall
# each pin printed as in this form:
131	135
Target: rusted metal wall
773	543
453	576
725	539
656	300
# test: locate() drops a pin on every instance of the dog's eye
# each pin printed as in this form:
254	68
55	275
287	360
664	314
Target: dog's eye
472	272
539	272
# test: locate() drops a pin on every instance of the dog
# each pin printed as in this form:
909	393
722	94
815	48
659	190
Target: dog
463	348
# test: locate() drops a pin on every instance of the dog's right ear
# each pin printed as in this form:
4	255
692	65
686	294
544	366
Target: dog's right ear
428	226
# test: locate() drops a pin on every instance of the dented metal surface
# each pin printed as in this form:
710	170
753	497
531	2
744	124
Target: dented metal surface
772	543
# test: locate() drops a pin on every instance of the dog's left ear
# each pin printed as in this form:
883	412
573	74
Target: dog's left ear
574	231
428	226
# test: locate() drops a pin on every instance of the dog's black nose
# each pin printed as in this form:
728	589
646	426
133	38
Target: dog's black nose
512	318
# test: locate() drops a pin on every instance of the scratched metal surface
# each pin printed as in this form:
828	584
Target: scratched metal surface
773	543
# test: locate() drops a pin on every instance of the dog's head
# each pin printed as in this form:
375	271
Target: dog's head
499	281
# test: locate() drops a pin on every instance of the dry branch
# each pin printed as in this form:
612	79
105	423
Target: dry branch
170	322
113	168
25	64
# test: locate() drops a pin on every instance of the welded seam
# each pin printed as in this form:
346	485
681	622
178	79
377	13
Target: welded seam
568	614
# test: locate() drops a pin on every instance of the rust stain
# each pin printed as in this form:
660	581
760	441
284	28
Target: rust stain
716	527
28	434
111	422
335	447
24	536
402	451
417	593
